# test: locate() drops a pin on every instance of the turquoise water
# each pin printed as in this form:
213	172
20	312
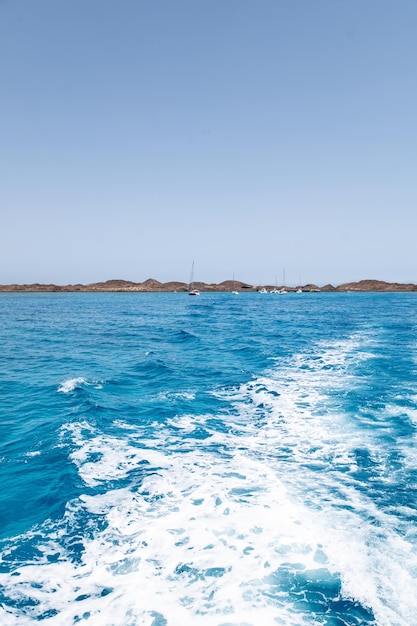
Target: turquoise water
222	460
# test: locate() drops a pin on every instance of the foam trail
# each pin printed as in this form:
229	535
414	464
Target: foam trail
264	520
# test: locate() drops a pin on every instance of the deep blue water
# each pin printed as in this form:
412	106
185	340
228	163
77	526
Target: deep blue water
222	460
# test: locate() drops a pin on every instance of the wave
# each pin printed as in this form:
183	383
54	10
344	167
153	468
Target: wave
67	386
265	512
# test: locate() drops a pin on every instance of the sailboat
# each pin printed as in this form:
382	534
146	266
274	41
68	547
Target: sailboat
191	290
234	291
283	288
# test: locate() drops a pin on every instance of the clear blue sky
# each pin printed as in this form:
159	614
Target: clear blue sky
248	135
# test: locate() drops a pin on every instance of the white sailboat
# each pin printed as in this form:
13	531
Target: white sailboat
275	290
283	289
191	290
262	289
234	291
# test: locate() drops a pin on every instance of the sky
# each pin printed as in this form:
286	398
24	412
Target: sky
261	139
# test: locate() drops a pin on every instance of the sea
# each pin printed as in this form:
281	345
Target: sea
221	460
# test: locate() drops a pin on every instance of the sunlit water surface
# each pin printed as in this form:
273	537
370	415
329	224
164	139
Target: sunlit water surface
225	460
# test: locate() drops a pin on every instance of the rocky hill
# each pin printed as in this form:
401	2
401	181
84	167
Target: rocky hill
153	285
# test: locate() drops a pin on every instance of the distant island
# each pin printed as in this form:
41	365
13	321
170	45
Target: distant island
152	285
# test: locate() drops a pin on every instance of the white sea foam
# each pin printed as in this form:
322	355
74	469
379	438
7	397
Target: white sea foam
100	459
189	545
204	538
75	383
178	395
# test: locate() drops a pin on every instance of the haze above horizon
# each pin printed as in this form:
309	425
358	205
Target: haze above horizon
263	140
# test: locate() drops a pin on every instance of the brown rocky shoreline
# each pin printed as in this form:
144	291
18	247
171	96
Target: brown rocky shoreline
152	285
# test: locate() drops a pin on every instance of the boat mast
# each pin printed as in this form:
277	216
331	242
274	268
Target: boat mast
190	286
